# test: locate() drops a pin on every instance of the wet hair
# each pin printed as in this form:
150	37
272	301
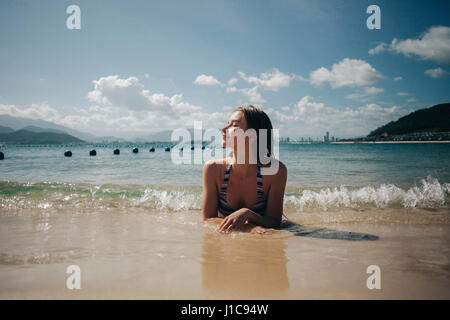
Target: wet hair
257	119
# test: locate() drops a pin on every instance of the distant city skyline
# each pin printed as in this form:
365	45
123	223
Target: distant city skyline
139	67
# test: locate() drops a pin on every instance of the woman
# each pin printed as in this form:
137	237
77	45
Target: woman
236	191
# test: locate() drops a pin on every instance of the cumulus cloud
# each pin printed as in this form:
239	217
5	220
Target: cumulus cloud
206	80
35	111
304	105
379	48
348	72
112	90
252	93
129	93
123	105
232	81
364	93
432	45
312	118
273	80
436	73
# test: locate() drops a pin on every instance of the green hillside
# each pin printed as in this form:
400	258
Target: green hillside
29	137
433	119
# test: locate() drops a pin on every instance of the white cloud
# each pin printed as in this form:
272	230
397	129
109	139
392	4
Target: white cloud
35	111
348	72
379	48
252	93
398	78
273	80
365	93
123	105
206	80
112	90
311	118
305	106
232	81
432	45
436	73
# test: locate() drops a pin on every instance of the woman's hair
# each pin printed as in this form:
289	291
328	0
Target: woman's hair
258	119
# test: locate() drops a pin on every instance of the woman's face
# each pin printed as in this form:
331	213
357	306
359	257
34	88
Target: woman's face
236	121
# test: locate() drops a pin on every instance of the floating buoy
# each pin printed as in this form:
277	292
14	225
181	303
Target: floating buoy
135	150
2	156
68	153
93	152
116	151
168	149
152	149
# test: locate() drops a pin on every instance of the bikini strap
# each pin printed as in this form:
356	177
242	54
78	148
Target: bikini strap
259	182
226	177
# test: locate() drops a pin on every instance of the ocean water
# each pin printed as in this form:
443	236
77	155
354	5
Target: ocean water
132	222
320	176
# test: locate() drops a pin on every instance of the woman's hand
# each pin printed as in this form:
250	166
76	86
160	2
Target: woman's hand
236	220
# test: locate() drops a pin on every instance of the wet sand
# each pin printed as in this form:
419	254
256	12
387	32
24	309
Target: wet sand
163	256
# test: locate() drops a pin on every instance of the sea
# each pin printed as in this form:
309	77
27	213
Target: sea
122	215
320	176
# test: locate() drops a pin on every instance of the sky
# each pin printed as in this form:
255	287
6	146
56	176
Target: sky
137	67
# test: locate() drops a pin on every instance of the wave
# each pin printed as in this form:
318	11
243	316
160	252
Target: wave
428	193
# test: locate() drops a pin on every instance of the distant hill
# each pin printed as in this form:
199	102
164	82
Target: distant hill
39	129
6	129
30	137
163	136
433	119
18	123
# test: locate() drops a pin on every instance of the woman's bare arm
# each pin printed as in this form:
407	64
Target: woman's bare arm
210	198
274	205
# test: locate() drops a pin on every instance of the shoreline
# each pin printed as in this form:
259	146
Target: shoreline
412	141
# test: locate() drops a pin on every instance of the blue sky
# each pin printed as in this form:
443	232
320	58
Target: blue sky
143	66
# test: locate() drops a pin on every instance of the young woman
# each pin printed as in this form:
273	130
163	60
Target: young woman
235	190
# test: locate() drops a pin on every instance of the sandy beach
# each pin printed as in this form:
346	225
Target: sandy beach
141	256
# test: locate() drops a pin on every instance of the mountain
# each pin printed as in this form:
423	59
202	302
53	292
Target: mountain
17	123
163	136
109	139
433	119
30	137
39	129
6	129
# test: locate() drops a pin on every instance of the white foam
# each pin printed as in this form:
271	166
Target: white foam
429	193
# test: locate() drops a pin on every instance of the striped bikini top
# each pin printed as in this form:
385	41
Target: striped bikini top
225	209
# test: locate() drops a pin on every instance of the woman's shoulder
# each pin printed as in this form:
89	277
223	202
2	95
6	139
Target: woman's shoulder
216	162
278	167
216	166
